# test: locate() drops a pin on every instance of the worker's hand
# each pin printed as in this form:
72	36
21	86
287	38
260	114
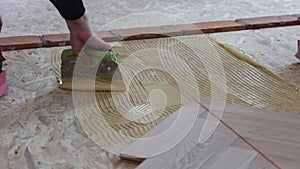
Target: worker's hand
81	34
0	23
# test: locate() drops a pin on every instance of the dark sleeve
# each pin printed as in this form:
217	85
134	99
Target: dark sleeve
69	9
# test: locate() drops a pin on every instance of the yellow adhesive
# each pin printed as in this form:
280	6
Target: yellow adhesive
117	121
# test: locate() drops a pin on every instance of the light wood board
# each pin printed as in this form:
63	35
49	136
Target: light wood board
182	124
275	135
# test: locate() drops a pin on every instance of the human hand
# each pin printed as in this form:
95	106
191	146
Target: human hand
81	34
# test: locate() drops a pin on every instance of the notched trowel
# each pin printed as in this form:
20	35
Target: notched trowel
102	74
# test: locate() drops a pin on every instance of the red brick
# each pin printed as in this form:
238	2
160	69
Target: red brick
269	21
20	42
107	36
148	32
53	40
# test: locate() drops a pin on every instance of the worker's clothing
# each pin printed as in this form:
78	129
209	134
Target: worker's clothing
1	60
69	9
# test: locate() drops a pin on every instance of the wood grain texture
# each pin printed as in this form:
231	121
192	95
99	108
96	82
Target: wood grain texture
53	40
210	27
20	42
232	158
186	156
269	21
274	133
219	26
168	134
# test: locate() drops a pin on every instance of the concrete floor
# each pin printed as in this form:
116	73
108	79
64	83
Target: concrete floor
37	120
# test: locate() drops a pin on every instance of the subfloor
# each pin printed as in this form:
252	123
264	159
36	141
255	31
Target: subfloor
38	128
